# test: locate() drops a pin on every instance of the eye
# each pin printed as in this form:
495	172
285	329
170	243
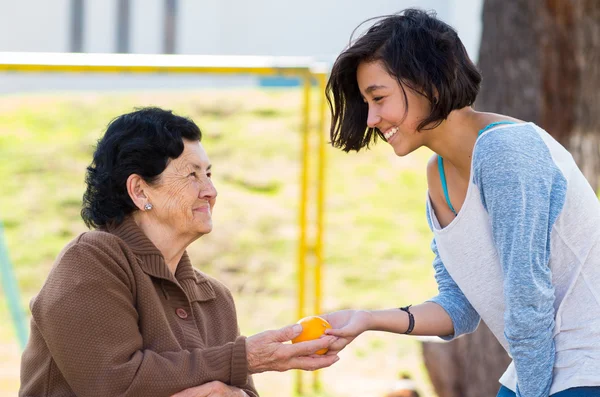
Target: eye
209	174
377	98
192	174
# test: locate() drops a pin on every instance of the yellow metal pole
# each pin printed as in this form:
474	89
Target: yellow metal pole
302	245
321	78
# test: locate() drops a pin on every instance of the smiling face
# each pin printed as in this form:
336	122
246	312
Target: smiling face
395	116
184	195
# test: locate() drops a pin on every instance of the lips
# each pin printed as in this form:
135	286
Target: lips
203	208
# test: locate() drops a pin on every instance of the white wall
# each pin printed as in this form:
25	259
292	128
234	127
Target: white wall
319	28
465	17
99	26
146	29
34	25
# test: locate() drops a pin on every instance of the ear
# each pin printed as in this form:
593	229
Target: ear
135	189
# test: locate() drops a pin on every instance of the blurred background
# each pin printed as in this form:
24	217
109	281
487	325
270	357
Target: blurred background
538	64
314	28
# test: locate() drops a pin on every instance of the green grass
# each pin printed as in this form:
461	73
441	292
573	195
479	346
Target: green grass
376	243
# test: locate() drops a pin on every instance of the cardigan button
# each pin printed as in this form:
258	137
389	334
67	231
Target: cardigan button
181	313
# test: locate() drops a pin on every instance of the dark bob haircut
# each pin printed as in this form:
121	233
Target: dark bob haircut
142	143
417	49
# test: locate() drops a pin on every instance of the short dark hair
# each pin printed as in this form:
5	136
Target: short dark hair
141	142
421	52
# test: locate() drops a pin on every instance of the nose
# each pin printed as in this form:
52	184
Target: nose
208	190
373	118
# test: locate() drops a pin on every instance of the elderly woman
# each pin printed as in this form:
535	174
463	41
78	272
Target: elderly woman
123	312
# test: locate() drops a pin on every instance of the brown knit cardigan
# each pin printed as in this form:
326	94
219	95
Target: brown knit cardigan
112	320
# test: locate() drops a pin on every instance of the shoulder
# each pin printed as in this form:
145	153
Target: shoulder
435	191
100	239
94	254
93	261
433	172
434	183
95	243
511	143
514	153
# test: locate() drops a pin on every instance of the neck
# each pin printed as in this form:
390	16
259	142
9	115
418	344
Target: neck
169	242
455	138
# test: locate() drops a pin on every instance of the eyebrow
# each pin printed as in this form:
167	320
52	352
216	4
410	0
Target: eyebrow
197	167
373	87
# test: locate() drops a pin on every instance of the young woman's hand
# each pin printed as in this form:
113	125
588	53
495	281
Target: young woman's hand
268	352
346	325
212	389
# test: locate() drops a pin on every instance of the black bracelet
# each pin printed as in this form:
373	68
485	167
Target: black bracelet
411	319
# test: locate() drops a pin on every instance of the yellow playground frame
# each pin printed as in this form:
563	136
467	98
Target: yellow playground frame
303	67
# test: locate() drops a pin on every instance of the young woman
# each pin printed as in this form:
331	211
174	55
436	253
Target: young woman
516	225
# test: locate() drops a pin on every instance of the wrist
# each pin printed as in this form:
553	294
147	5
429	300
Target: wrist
411	319
370	320
250	357
390	320
377	320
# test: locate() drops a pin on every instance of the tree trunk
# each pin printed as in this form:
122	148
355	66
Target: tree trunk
469	366
540	61
509	59
584	142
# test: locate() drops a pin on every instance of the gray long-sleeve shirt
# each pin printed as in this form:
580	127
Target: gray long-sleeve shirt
523	254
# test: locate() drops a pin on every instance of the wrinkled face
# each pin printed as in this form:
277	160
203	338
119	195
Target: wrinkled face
184	195
388	107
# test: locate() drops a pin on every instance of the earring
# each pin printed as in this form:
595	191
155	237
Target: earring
147	207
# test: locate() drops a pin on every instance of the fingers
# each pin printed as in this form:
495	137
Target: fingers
286	333
339	332
313	363
339	344
310	347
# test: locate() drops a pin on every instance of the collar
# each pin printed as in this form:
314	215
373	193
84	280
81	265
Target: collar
152	261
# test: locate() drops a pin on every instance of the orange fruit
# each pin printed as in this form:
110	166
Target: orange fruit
313	327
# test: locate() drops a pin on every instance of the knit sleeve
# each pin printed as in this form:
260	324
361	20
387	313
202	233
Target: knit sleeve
450	297
87	317
249	387
523	192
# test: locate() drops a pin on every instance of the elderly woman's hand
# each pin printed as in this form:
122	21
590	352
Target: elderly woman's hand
268	352
212	389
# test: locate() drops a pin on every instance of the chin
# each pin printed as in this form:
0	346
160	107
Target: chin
402	151
201	228
201	223
205	229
